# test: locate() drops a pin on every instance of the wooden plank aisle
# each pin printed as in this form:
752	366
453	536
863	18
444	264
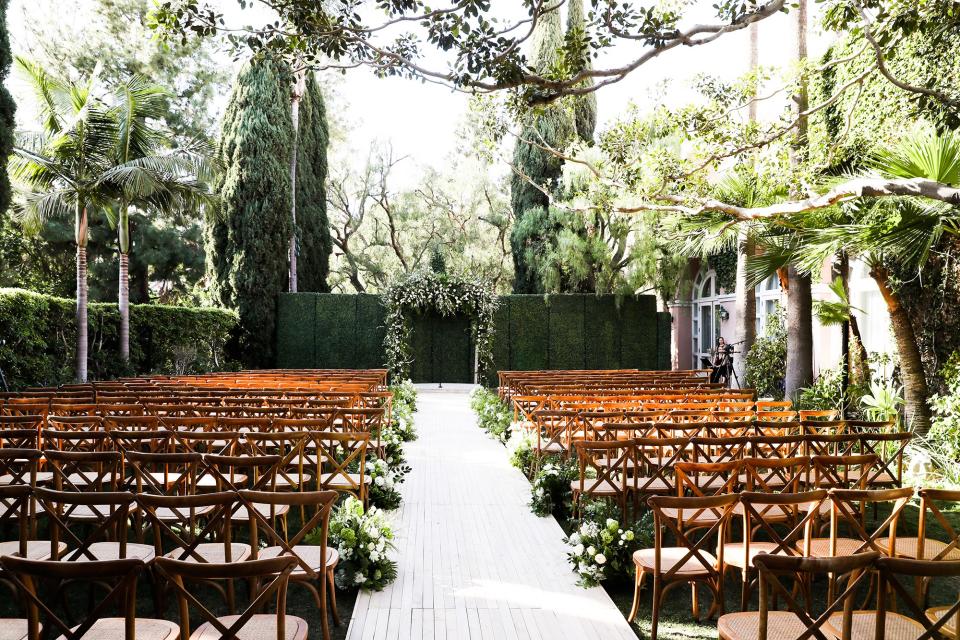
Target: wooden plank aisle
474	562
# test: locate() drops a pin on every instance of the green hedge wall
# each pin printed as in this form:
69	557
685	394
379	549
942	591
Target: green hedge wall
567	331
39	335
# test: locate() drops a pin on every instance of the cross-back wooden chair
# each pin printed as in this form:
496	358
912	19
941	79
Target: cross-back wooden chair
196	528
293	468
274	571
342	458
797	622
705	479
316	562
776	475
720	449
93	525
654	460
690	561
70	409
84	470
765	516
62	440
773	405
927	545
116	408
113	422
609	461
121	575
362	420
553	429
778	447
890	449
924	623
824	427
843	471
13	429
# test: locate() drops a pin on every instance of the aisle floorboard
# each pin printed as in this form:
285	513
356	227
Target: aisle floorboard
474	562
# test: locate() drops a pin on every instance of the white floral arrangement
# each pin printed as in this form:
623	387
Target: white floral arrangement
364	542
601	548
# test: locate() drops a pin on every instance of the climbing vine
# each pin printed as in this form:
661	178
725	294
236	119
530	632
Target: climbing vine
724	263
447	294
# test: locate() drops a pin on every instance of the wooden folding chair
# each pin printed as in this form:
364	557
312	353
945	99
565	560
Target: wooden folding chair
553	429
926	623
690	562
889	449
798	623
609	462
343	457
316	563
818	414
276	571
765	513
120	574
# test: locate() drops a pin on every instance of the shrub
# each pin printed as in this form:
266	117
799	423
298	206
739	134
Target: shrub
600	548
767	360
363	541
551	492
826	392
40	335
385	481
493	415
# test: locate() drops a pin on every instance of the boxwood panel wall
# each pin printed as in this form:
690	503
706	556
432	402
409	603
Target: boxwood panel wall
569	331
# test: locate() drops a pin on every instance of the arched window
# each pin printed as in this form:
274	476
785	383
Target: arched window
706	323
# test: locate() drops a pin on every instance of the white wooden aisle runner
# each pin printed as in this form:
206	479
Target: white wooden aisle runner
474	562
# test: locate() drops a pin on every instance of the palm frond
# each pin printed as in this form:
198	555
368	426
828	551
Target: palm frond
763	265
924	154
51	93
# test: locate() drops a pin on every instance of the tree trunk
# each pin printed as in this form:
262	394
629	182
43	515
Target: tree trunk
123	300
296	95
745	332
915	389
799	333
123	294
81	313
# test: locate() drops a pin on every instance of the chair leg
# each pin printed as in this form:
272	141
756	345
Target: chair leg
694	603
332	592
745	589
655	614
637	586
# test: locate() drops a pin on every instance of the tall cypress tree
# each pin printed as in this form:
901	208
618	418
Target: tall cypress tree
313	228
8	109
550	126
585	106
247	235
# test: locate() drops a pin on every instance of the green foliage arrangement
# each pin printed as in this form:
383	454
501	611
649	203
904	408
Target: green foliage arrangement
247	235
600	548
767	359
386	476
520	449
448	295
550	494
40	339
883	403
493	414
404	394
826	392
363	541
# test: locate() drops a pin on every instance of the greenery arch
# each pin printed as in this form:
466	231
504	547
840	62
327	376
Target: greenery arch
447	294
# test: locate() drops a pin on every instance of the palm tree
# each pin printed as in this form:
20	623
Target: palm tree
888	232
61	169
93	158
148	175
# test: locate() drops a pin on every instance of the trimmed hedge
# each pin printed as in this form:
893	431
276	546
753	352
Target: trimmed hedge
39	337
566	331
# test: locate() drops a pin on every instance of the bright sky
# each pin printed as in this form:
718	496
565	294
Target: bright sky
421	119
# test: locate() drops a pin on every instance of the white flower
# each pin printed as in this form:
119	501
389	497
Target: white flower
575	538
371	547
578	550
600	558
591	550
378	481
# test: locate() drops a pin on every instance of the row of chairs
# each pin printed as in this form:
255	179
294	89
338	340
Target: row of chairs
790	526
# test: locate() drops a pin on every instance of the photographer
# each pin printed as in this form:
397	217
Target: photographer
722	364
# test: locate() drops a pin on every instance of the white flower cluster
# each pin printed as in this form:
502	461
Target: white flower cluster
592	546
381	473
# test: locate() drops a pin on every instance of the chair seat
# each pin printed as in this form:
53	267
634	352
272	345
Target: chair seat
769	513
13	629
693	516
266	510
293	480
949	628
550	447
907	548
111	551
258	627
670	557
882	478
333	480
734	554
746	625
864	623
213	552
207	481
820	547
86	512
309	553
144	628
36	550
170	514
604	488
651	485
